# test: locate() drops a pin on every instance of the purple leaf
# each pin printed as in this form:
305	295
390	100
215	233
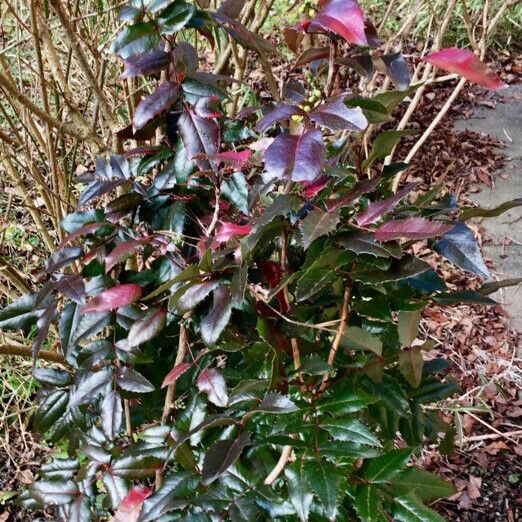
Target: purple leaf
195	294
411	228
297	158
231	8
159	101
82	231
122	251
43	324
342	17
375	210
98	188
176	373
147	327
336	116
397	69
282	112
208	107
62	258
200	136
214	323
72	287
113	298
150	62
213	384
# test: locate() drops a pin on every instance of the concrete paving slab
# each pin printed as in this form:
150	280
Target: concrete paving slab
505	123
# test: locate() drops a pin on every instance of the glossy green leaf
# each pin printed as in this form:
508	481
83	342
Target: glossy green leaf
385	467
356	338
325	480
409	508
349	430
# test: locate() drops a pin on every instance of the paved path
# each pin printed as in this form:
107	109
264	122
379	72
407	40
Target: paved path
505	123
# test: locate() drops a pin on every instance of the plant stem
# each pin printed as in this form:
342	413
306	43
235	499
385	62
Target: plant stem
26	351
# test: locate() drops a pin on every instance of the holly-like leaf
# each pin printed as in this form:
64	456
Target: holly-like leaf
471	212
313	281
409	508
336	116
147	327
213	384
155	104
150	62
62	258
367	503
195	294
355	337
213	324
408	326
54	493
296	157
343	402
385	467
365	243
92	386
50	410
175	17
280	113
228	230
221	456
20	314
235	189
427	486
176	373
43	324
113	298
342	17
325	480
200	137
130	507
349	430
411	228
132	381
111	414
396	68
135	39
384	143
318	223
139	465
276	403
122	251
378	208
461	248
467	64
298	490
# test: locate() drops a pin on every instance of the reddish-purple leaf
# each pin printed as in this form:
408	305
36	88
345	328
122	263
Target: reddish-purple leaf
130	507
236	159
115	297
208	107
375	210
231	8
200	136
213	324
467	64
147	327
336	116
159	101
282	112
213	384
228	230
121	251
175	373
150	62
311	55
312	188
411	228
342	17
297	158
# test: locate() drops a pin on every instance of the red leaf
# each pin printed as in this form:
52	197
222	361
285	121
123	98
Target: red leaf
274	274
342	17
237	159
375	210
467	64
130	507
411	228
86	229
228	230
175	373
121	251
312	188
116	297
